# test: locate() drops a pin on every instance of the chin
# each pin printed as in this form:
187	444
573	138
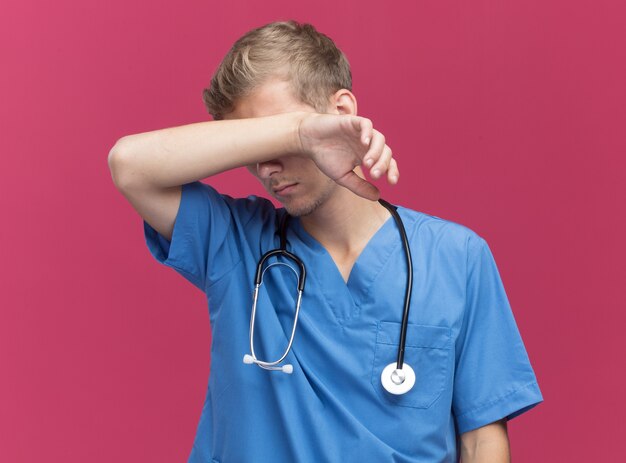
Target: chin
304	207
307	204
300	210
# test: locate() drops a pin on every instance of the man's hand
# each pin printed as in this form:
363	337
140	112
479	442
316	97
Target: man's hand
338	143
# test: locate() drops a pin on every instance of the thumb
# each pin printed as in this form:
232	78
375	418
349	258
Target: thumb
359	186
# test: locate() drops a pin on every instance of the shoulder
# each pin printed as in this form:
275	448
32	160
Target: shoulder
244	210
439	231
249	222
252	209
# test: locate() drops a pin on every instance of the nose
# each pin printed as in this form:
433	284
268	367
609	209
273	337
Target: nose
266	169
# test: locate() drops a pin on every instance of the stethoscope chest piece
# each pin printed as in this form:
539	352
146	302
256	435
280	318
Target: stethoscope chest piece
396	381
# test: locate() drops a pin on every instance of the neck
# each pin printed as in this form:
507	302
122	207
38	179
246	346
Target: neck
345	222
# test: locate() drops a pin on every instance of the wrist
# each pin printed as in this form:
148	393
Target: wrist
295	143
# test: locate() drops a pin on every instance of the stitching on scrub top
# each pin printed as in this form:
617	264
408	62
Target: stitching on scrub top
467	253
413	327
175	263
334	316
227	273
386	263
235	227
410	240
408	400
497	399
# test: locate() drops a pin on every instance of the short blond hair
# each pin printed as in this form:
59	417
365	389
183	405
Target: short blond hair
295	51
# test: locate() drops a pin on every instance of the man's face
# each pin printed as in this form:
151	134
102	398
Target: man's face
294	180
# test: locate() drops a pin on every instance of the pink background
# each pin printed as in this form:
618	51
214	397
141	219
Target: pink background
507	117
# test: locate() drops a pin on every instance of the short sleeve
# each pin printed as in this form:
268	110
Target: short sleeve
201	247
494	378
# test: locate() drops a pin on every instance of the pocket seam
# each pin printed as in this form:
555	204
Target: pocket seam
443	369
410	342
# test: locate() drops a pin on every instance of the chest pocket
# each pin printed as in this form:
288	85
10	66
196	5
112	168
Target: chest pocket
428	350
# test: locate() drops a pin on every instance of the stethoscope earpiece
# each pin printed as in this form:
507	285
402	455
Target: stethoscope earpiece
286	368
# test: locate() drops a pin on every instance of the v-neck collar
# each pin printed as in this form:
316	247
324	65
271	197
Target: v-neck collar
324	271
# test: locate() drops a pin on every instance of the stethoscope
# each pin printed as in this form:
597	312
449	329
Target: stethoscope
397	377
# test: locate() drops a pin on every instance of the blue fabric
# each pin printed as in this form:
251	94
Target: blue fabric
463	343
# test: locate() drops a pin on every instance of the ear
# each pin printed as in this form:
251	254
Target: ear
343	101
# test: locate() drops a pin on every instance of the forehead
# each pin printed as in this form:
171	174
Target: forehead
272	97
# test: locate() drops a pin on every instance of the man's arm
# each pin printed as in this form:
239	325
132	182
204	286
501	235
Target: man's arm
178	155
149	168
487	444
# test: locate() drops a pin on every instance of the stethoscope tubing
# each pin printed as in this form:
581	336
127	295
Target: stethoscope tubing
396	380
409	282
280	252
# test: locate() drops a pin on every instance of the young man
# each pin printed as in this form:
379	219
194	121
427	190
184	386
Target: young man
283	107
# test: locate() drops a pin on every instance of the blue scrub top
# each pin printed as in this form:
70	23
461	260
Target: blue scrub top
462	340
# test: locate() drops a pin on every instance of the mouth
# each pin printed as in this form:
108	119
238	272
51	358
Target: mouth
284	189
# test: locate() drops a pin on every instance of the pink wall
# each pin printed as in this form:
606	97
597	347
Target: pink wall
507	117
